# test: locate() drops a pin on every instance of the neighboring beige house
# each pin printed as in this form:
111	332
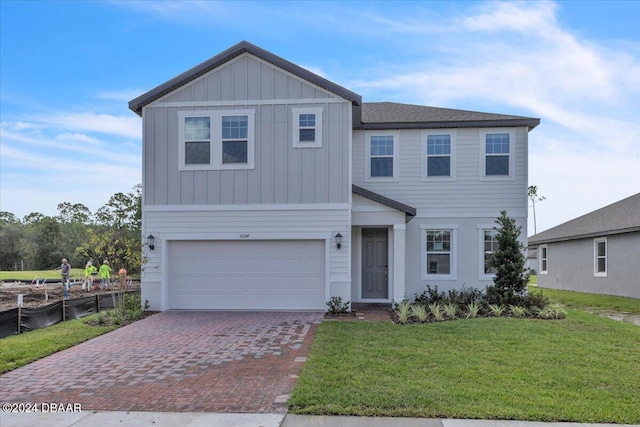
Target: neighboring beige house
598	252
266	186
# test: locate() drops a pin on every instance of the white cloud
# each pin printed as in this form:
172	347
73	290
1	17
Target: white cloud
585	153
121	95
127	126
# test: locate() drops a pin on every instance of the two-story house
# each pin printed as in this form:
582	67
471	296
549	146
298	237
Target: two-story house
266	186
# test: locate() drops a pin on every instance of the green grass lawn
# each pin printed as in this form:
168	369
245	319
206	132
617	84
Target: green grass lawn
593	302
28	276
582	369
18	350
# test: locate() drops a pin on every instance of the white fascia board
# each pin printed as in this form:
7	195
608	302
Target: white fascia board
248	207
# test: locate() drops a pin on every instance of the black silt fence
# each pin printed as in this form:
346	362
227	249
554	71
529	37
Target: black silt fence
41	317
22	319
9	322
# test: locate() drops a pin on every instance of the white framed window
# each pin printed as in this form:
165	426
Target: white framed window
439	250
600	257
307	127
488	246
497	154
438	152
542	259
213	140
382	156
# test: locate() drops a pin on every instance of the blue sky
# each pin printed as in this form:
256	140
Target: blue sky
68	70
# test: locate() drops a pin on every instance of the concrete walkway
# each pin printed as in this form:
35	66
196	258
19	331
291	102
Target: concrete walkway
171	419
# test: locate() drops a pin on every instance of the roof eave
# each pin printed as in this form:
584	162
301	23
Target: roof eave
409	211
136	105
529	122
582	236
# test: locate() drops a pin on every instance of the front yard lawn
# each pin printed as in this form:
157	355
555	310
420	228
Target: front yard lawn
18	350
582	369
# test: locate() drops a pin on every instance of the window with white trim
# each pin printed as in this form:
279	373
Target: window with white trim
307	127
439	155
542	254
489	246
498	154
216	139
600	257
438	252
381	157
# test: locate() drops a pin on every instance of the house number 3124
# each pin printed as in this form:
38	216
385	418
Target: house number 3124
244	236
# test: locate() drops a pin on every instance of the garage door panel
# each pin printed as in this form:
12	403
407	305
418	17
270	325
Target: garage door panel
277	275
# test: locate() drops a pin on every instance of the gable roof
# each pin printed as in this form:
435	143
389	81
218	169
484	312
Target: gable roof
617	218
408	210
158	92
392	115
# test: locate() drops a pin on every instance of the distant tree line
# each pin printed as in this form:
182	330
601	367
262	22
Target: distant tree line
39	242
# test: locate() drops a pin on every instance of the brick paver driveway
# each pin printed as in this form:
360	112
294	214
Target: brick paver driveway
176	361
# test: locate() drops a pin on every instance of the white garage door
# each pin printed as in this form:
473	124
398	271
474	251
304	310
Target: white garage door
247	275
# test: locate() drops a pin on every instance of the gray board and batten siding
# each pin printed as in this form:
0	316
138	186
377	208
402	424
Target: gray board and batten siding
282	174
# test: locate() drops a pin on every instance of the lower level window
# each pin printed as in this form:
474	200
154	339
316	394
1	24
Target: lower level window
543	259
438	252
490	245
600	261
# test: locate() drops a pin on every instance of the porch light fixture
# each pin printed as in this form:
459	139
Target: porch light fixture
150	242
338	241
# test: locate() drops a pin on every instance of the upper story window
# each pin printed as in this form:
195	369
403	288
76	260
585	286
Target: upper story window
381	157
542	254
197	140
600	257
307	127
438	252
216	140
439	155
497	154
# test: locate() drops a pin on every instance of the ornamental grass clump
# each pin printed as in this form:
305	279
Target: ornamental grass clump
517	311
450	310
473	310
403	311
436	312
496	310
419	311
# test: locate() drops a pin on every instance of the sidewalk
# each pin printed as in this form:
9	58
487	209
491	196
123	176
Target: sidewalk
200	419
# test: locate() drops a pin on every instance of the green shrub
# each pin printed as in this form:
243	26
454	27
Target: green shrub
511	278
552	311
336	306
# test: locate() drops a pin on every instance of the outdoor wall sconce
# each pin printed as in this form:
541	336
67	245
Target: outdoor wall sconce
150	242
338	241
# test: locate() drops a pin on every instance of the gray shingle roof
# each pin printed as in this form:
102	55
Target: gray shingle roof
619	217
392	115
137	104
408	210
